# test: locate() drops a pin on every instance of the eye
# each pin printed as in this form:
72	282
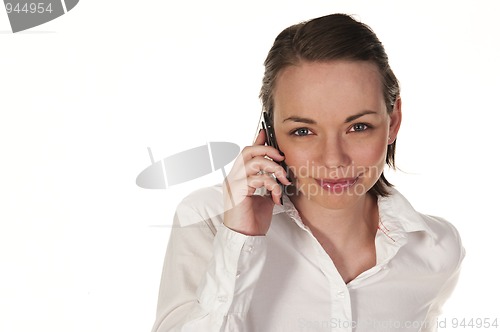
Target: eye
301	132
359	127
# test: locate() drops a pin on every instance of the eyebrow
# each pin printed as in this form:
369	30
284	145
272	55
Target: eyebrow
311	121
355	116
299	119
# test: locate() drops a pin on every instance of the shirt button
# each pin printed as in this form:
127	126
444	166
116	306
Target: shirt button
222	298
250	248
340	294
238	274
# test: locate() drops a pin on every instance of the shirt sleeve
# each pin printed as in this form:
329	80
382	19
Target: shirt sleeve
430	324
446	290
208	279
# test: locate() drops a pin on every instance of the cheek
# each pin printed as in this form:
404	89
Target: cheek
371	155
298	162
299	157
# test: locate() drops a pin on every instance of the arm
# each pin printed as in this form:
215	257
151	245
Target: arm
212	265
434	312
450	283
208	279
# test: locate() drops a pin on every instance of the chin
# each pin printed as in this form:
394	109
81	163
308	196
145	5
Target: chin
336	201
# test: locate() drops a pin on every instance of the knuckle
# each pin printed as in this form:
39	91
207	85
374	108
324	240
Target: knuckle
246	150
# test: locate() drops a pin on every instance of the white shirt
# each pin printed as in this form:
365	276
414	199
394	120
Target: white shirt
215	279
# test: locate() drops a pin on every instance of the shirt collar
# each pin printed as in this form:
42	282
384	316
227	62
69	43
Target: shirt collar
396	212
397	216
290	210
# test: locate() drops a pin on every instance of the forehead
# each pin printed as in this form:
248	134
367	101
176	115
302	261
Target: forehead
340	86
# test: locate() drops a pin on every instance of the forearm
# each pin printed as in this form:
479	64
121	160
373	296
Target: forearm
219	300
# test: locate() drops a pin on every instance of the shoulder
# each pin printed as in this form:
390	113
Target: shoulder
443	238
203	205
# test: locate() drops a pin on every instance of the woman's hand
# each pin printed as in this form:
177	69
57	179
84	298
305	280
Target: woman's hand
245	212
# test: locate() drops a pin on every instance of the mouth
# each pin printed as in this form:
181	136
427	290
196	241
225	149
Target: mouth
337	185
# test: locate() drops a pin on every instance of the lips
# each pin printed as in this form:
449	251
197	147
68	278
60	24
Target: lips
336	185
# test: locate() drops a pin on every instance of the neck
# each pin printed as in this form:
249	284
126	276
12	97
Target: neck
346	227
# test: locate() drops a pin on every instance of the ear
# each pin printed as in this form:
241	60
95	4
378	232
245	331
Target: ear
395	118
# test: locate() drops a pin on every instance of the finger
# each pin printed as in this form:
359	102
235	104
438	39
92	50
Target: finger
266	181
260	163
283	177
261	138
276	193
250	152
258	181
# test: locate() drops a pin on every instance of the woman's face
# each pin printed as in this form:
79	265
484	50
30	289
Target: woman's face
332	124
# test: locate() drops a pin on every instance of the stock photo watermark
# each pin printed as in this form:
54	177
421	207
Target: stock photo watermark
25	15
462	323
187	165
193	163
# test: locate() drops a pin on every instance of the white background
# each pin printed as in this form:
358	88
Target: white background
83	96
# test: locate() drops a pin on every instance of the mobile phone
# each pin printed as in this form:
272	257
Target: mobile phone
268	128
271	141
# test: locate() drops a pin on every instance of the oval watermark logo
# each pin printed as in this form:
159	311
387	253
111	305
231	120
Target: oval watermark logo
187	165
26	14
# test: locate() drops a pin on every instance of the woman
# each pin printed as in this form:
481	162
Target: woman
332	246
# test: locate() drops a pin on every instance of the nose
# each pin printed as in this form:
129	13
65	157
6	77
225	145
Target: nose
335	153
